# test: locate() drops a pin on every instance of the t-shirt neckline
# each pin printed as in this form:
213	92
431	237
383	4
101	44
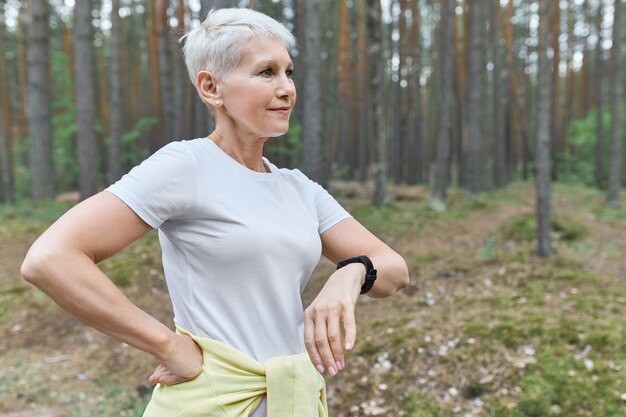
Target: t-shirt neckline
268	176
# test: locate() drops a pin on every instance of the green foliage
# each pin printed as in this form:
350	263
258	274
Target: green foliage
537	398
415	405
38	211
63	124
609	214
577	163
291	145
132	153
487	252
524	228
23	178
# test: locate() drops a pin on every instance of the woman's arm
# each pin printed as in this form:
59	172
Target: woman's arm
62	263
336	301
349	238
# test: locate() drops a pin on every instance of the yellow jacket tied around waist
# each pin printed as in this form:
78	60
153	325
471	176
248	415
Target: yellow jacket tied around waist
232	384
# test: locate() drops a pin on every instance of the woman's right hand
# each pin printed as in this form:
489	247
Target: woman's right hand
182	362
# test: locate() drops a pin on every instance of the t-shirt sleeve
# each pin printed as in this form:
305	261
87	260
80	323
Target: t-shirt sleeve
161	187
329	211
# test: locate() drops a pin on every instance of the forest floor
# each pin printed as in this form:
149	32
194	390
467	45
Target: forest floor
484	329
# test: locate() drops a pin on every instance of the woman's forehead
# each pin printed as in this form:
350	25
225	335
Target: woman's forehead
264	51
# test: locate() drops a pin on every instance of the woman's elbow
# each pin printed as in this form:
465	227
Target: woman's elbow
396	278
31	268
404	274
35	265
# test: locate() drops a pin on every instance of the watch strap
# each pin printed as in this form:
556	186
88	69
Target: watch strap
370	275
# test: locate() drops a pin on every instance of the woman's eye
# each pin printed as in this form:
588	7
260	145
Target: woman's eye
289	73
266	72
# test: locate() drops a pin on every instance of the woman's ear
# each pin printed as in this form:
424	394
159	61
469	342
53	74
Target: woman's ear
208	90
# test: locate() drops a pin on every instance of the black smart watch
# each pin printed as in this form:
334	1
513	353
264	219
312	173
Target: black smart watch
370	275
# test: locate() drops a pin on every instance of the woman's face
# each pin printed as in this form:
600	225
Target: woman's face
259	94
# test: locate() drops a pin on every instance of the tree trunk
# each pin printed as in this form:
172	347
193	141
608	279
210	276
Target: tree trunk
543	182
396	98
165	70
376	57
6	128
499	139
22	123
39	114
6	176
330	94
460	66
85	100
555	128
362	98
311	124
599	76
345	99
442	171
416	169
203	119
116	98
585	82
157	140
184	90
615	168
569	101
476	161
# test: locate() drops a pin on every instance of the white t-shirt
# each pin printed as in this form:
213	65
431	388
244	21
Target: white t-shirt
238	245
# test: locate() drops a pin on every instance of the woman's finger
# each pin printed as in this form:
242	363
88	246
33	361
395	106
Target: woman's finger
172	379
156	375
323	347
349	326
333	331
309	342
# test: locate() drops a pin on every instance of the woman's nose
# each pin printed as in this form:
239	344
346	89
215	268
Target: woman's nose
286	86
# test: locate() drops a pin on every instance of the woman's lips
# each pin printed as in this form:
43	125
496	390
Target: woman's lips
282	111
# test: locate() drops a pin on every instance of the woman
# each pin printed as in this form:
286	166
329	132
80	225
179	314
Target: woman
240	238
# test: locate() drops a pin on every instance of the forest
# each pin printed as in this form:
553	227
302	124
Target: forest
471	135
420	92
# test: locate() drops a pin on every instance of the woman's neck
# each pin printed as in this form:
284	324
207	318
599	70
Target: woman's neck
246	152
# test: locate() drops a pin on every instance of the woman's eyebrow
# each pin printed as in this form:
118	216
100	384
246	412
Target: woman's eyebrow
272	62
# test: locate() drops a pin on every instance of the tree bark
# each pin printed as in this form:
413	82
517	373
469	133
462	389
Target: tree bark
154	63
585	82
6	127
165	70
376	57
6	176
599	92
476	161
311	124
116	95
345	99
417	171
543	181
442	171
555	127
499	139
615	169
22	123
39	115
397	94
85	99
362	75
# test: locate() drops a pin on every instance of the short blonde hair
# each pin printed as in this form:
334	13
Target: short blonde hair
215	45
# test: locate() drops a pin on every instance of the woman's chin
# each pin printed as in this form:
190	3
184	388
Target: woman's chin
278	132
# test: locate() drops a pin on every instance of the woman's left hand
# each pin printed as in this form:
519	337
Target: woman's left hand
334	304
